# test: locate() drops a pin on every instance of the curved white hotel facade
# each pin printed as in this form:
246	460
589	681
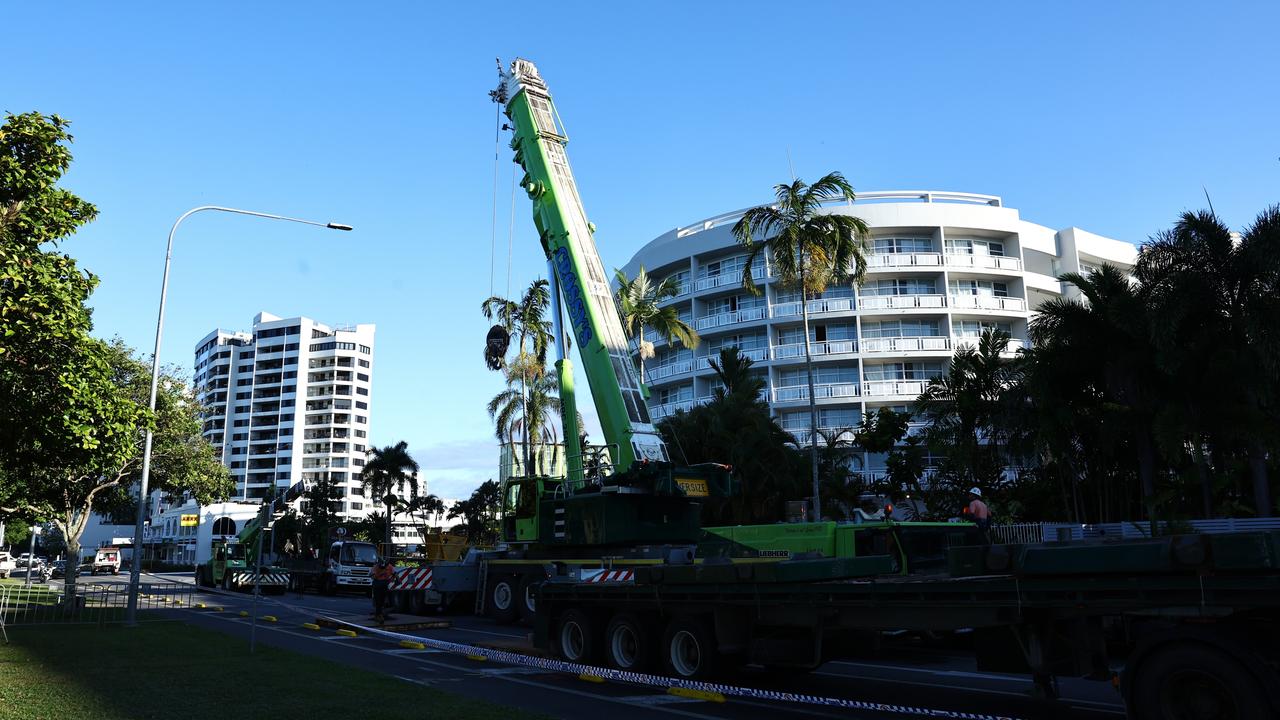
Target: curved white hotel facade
945	266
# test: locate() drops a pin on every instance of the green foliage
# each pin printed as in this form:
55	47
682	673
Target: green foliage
639	307
479	514
388	470
735	428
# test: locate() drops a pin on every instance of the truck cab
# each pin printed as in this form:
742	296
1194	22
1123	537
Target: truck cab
350	564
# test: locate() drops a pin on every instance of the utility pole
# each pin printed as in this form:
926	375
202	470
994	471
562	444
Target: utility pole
257	577
31	556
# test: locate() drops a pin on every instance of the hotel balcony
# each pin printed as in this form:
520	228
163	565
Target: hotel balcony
710	282
988	302
984	262
883	261
894	388
657	412
901	302
819	305
905	344
830	347
730	318
821	391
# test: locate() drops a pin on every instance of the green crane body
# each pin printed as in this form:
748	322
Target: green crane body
645	499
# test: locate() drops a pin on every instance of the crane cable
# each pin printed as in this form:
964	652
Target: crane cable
493	224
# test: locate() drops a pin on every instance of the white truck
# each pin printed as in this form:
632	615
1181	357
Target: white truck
7	564
106	560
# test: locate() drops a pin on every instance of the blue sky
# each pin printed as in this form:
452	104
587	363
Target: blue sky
1108	116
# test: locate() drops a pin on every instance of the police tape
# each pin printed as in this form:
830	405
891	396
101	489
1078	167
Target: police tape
632	678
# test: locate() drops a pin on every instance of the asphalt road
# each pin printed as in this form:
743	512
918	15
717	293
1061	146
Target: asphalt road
901	673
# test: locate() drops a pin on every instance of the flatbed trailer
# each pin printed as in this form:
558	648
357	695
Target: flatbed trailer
1186	626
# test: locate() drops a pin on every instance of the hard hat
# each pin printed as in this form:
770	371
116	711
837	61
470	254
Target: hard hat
975	491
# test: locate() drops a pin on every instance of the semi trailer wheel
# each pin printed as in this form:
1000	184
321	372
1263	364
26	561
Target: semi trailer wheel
689	650
575	637
1194	681
627	644
502	599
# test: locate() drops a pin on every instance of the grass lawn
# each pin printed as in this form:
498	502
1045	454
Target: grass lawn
172	670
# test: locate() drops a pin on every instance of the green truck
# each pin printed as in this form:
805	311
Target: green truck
233	564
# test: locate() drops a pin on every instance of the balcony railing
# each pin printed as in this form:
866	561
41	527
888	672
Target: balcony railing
730	318
1014	345
662	371
820	391
709	282
905	344
819	305
756	354
899	260
829	347
988	302
894	388
657	412
901	302
984	262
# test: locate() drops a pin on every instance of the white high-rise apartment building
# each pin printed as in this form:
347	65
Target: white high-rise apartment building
945	266
289	402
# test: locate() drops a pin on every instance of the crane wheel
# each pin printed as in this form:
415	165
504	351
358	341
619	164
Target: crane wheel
689	650
526	607
628	644
575	637
502	592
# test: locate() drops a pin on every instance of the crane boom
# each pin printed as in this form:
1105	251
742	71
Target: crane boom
567	239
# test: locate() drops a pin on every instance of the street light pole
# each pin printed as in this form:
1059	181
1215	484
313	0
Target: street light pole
131	613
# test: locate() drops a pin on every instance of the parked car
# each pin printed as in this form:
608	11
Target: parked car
59	569
107	560
7	564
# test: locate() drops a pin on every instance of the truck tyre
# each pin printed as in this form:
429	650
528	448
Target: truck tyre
1193	681
502	599
527	608
689	650
575	637
226	581
628	644
443	603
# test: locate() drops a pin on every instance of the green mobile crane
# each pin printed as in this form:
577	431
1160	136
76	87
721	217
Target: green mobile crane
630	492
233	564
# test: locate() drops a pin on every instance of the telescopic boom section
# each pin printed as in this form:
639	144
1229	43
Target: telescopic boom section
539	146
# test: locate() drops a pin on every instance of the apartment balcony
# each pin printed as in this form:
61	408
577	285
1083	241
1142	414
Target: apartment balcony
905	344
893	261
988	302
820	392
816	349
802	436
820	305
657	412
711	282
894	388
755	354
1013	346
730	318
664	371
902	302
984	262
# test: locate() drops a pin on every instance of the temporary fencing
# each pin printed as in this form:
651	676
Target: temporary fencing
92	603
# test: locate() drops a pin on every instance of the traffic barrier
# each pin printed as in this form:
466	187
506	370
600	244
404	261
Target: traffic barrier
311	626
269	618
346	633
410	644
588	677
696	694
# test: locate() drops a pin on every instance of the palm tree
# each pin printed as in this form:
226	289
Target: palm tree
811	249
526	410
1213	297
639	306
1115	315
387	469
527	320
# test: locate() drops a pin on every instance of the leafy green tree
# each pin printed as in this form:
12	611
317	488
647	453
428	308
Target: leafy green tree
387	470
736	429
65	489
809	249
528	412
639	305
479	514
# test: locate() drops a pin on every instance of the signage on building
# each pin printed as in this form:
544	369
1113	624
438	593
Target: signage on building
190	520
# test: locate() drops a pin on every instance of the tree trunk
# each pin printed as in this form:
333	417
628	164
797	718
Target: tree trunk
1258	472
813	404
1206	480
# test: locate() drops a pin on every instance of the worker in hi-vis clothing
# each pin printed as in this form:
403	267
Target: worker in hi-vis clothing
382	574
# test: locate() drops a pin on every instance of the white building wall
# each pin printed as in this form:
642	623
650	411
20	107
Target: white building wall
948	264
